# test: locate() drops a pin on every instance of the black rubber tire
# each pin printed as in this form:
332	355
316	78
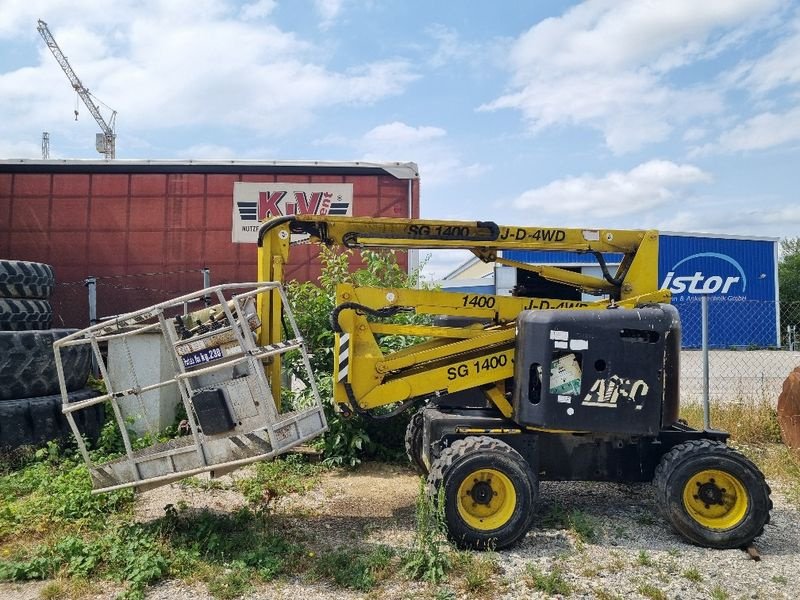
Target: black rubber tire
28	367
36	421
24	315
458	463
413	443
24	279
686	460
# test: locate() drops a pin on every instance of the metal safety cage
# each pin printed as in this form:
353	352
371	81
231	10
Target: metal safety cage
218	370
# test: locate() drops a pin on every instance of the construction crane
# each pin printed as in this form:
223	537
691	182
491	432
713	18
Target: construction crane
105	142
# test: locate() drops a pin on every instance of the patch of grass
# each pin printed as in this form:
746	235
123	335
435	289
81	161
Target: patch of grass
778	462
582	525
478	573
650	591
617	563
603	594
279	477
780	579
233	582
748	421
355	569
644	559
552	583
445	593
53	590
693	575
718	593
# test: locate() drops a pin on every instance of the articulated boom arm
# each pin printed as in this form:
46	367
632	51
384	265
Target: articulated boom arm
449	359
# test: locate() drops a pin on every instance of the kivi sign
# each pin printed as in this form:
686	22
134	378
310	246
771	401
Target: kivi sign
737	275
254	203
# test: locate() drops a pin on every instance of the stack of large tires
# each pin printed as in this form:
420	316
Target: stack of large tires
30	395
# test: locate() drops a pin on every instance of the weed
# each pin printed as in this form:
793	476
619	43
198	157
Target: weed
233	582
603	594
552	583
718	593
444	593
644	559
355	569
780	579
272	479
582	525
674	552
478	575
53	590
591	571
428	559
617	563
650	591
693	575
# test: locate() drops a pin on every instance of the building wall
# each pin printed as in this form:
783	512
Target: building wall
739	275
146	230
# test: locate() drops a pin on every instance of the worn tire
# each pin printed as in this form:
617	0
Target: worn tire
413	443
35	421
28	368
712	495
489	492
24	279
23	315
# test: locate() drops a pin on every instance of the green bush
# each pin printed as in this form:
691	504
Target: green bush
349	440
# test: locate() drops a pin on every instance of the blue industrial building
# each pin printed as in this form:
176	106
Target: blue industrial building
739	274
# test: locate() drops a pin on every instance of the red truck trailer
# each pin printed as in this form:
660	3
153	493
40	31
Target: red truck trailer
146	228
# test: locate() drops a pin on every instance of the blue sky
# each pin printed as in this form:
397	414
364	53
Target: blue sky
679	115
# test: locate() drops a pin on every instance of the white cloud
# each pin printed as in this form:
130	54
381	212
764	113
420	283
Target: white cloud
779	67
735	216
648	186
209	152
328	11
604	64
258	9
226	66
439	161
763	131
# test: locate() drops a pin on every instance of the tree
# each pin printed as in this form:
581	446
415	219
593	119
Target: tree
789	273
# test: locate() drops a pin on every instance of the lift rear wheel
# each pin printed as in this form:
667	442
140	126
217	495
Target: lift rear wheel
713	495
489	492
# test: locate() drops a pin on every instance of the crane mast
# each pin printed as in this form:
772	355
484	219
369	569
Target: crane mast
106	141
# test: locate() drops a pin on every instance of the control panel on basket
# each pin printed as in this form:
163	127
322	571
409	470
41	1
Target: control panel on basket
207	335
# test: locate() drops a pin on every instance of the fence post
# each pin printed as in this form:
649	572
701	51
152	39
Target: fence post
91	284
704	329
206	283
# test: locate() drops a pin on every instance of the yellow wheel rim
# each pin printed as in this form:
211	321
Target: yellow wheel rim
715	499
486	499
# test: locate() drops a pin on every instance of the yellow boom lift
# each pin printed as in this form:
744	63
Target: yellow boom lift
518	389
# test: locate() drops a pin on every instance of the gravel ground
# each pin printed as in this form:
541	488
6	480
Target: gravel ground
633	554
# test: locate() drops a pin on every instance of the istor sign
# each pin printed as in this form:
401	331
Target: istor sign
682	279
254	203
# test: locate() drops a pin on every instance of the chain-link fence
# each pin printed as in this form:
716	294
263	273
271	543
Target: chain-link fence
80	303
753	346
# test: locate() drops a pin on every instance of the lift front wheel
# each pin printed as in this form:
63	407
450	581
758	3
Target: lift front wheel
713	495
489	492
